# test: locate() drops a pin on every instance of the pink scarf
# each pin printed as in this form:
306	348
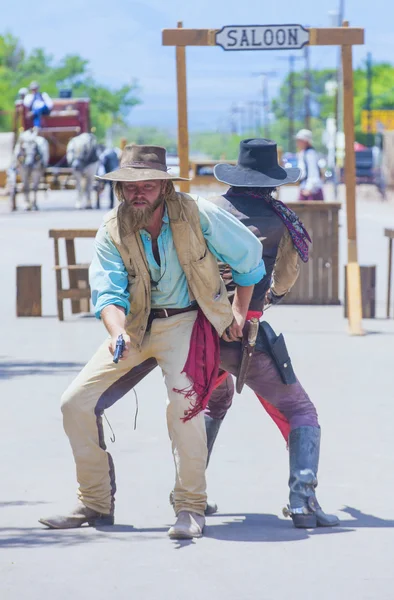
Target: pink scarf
202	366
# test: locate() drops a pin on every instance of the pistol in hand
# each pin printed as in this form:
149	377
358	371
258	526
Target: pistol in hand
120	345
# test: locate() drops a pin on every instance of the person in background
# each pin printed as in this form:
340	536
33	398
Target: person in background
109	161
311	184
21	96
40	103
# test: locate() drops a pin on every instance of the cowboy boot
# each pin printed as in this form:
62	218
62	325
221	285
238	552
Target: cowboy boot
188	525
304	509
212	427
77	517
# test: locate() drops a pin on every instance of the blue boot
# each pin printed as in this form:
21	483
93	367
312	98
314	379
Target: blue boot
304	509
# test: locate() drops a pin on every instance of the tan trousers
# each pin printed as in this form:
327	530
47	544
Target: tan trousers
102	382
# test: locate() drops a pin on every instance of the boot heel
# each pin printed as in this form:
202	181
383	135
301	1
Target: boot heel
304	521
102	521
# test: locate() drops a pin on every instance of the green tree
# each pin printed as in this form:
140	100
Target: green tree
18	69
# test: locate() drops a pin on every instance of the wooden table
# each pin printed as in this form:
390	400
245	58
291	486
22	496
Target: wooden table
78	273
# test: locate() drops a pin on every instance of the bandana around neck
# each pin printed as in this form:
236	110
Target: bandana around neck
295	227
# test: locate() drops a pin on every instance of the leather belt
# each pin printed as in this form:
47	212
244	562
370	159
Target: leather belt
164	313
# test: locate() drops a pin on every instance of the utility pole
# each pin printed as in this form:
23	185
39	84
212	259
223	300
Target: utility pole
369	99
341	13
265	102
307	92
233	119
291	101
251	121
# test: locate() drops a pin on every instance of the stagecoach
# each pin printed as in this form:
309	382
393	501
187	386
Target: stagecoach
68	118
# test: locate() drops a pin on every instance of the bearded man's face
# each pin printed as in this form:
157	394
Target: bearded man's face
141	199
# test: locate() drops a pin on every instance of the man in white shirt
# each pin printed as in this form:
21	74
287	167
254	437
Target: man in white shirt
40	103
311	184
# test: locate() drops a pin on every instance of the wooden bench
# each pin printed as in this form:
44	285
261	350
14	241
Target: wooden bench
78	291
390	234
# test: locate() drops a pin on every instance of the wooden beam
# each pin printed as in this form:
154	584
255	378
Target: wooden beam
183	132
189	37
71	234
336	36
332	36
353	269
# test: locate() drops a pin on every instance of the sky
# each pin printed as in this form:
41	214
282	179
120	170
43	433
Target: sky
122	41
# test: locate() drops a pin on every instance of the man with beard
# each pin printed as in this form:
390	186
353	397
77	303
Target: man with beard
156	285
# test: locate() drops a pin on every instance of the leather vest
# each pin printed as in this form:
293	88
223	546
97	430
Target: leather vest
200	266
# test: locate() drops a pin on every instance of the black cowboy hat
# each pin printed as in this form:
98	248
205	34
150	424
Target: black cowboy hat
257	167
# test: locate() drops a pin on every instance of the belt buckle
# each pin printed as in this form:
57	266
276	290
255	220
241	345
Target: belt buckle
165	312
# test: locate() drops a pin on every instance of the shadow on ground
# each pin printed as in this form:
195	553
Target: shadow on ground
243	527
12	369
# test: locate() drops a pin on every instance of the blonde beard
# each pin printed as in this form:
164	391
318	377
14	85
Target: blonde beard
133	219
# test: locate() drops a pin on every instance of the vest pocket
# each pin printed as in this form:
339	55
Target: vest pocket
201	272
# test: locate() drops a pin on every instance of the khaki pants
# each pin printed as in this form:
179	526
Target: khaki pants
102	382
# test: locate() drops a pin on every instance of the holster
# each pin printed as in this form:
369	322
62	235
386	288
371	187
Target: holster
275	346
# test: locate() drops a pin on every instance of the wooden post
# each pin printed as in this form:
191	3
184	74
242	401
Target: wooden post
353	268
183	134
28	291
73	275
389	277
59	286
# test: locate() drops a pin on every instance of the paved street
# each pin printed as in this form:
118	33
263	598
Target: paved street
250	551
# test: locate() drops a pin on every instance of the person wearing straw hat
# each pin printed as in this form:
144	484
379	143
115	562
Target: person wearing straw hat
270	375
311	184
40	103
156	286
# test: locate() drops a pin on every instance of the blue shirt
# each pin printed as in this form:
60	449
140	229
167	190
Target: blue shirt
226	237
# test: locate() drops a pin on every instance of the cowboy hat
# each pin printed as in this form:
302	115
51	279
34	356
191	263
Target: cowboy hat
305	135
257	167
141	163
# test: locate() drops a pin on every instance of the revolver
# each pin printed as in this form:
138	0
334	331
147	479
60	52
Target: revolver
119	348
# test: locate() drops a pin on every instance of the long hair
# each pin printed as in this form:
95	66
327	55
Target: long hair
168	193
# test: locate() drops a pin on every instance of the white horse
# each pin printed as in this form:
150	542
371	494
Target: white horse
31	156
82	157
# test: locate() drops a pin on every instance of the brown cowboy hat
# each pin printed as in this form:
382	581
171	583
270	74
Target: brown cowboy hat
141	163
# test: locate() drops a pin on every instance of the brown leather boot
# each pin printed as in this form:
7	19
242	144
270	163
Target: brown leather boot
80	515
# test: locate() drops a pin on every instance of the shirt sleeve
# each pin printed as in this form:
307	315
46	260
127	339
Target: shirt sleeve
286	269
48	100
28	99
107	275
313	182
232	243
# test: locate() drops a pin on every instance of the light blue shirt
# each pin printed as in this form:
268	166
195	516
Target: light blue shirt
227	238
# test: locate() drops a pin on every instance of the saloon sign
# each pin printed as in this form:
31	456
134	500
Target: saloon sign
262	37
